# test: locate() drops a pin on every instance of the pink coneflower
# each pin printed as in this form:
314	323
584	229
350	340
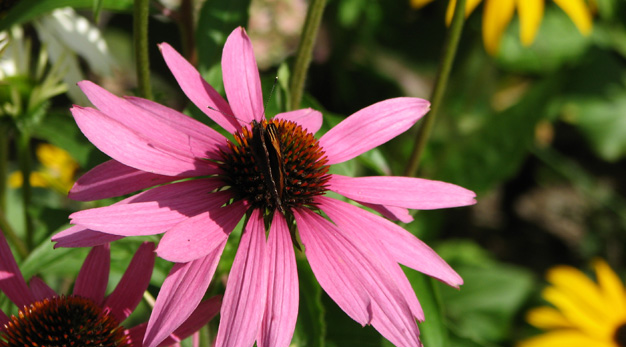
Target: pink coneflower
276	173
86	317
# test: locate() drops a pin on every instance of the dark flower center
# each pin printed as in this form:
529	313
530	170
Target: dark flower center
275	165
63	321
620	335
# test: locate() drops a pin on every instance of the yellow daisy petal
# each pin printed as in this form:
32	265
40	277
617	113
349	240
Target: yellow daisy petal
547	318
15	179
470	5
578	11
420	3
564	338
496	16
38	179
612	288
584	318
530	14
580	288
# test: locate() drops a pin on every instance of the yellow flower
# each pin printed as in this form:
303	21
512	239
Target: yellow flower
498	13
585	313
57	170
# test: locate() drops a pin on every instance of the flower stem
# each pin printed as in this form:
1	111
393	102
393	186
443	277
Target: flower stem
305	50
4	160
185	23
140	37
449	51
24	159
9	233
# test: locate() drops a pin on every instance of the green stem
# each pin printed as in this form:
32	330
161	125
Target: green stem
305	50
140	37
4	168
185	23
10	234
449	52
25	163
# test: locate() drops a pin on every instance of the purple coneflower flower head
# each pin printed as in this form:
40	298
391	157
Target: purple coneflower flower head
87	317
276	173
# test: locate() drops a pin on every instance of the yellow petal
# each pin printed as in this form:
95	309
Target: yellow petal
52	156
420	3
547	318
578	11
612	288
583	317
530	14
496	16
38	179
470	5
564	338
580	288
16	179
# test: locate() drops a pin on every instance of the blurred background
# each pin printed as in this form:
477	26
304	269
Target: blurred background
537	130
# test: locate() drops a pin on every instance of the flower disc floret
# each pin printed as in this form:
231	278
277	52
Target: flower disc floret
64	321
304	176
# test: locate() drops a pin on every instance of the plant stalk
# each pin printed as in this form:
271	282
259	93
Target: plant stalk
140	38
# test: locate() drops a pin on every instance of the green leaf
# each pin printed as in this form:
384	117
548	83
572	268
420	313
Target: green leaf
311	326
27	10
433	331
44	258
217	19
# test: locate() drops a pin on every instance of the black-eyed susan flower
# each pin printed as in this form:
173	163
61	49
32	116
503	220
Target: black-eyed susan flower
584	313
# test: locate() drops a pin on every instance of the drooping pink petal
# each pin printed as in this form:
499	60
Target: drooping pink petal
308	118
135	150
111	179
93	277
281	309
197	90
12	283
241	77
392	212
180	294
199	235
153	211
40	289
357	231
401	244
78	236
408	192
246	289
199	318
356	280
4	319
371	127
129	291
158	123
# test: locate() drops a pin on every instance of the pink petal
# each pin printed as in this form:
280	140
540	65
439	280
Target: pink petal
355	229
356	279
12	283
78	236
129	291
392	212
136	150
199	136
93	277
371	127
199	318
402	245
153	211
308	118
179	296
113	178
241	77
197	90
246	289
40	289
201	234
408	192
158	123
281	310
